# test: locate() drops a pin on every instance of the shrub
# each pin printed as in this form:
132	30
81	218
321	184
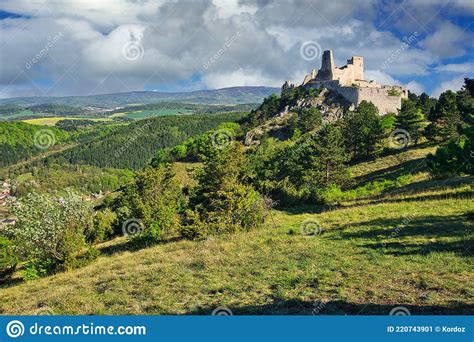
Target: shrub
50	230
155	199
104	222
8	260
223	201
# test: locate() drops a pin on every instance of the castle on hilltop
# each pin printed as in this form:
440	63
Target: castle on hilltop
348	81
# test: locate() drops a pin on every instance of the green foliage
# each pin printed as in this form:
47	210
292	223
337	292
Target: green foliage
36	268
456	158
50	229
155	198
133	146
17	141
465	102
8	259
411	119
308	119
223	201
82	178
363	130
445	118
394	92
388	122
201	147
298	171
104	222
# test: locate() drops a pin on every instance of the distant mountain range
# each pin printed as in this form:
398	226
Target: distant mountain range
232	95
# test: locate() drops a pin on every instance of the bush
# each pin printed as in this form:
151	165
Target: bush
49	230
104	222
154	200
8	260
223	201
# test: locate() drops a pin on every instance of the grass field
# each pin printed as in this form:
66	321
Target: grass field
53	120
411	248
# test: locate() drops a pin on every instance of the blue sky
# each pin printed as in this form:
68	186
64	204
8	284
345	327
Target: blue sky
86	47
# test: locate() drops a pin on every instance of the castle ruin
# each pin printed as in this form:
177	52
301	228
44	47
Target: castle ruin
348	81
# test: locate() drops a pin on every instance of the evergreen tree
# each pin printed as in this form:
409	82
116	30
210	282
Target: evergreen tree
330	156
425	103
445	118
411	119
363	129
465	102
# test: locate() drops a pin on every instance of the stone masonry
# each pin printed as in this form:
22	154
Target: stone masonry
349	82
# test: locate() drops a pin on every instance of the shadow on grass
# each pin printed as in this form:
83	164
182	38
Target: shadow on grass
440	233
393	172
467	194
338	307
134	245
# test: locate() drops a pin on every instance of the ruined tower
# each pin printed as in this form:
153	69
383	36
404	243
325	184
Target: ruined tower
327	67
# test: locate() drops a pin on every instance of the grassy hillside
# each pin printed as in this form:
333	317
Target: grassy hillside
410	247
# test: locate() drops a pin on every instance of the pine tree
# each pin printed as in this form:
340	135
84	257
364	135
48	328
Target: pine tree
330	154
411	119
445	118
363	129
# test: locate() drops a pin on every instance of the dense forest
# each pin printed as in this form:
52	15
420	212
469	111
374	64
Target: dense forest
132	146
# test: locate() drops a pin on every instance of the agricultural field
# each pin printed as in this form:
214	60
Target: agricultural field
51	121
143	114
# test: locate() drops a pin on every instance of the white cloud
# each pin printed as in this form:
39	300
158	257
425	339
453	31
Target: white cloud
380	77
454	84
415	87
179	37
446	41
238	78
456	68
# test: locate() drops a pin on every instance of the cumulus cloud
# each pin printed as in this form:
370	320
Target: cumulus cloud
453	84
415	87
446	41
256	42
456	68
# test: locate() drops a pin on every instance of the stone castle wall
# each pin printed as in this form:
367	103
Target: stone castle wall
378	96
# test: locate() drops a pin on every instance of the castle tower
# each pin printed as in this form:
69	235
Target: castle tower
327	67
358	63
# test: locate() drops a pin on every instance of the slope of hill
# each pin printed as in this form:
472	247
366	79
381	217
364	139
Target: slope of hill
132	146
408	248
233	95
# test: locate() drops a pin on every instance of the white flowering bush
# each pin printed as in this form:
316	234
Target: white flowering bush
50	230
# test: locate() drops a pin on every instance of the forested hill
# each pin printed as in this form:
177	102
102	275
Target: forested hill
233	95
132	146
